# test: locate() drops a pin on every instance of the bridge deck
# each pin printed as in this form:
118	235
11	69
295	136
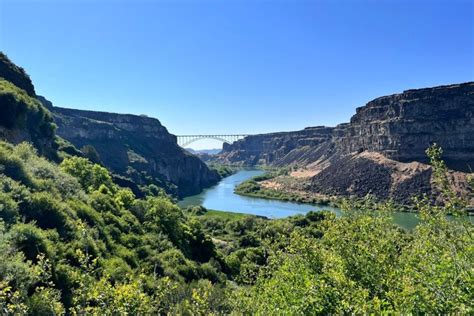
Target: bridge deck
185	140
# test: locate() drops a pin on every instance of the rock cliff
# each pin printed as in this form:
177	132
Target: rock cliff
402	126
275	148
137	147
381	150
16	75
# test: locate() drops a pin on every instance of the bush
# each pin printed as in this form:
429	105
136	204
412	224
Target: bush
45	301
91	153
91	176
248	187
8	209
87	213
12	166
30	240
117	269
49	213
21	111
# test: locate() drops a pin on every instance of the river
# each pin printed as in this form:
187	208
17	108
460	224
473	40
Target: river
222	197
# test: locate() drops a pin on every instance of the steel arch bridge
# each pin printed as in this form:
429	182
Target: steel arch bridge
185	140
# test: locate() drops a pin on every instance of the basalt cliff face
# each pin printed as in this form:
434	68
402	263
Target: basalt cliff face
381	151
402	126
136	147
276	148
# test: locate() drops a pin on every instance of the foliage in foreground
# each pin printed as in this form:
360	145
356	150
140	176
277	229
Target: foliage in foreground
72	241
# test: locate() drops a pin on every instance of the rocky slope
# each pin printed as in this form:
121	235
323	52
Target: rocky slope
275	148
22	117
402	126
381	151
16	75
136	147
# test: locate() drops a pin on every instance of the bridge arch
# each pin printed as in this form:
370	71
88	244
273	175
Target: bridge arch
186	140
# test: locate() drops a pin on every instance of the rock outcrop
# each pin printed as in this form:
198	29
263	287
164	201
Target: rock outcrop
376	152
22	116
275	148
402	126
136	147
16	75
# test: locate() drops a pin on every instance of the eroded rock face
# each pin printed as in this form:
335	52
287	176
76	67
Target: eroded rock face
400	126
369	154
137	147
275	148
372	173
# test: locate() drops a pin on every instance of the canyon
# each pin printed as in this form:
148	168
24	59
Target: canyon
138	150
381	151
136	147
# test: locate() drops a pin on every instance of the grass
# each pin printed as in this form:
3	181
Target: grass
224	214
253	188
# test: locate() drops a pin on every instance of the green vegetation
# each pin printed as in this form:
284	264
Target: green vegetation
252	187
91	153
72	241
21	112
223	170
15	75
202	211
103	248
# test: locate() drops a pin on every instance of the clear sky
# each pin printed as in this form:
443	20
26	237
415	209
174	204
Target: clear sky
236	66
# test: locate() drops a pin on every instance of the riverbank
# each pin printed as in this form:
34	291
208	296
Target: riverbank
292	185
222	197
223	170
204	212
279	185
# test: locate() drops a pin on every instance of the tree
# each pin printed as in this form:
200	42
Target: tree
90	175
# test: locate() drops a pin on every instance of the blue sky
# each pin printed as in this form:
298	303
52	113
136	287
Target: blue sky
236	66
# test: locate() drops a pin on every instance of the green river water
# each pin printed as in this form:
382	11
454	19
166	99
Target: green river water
222	197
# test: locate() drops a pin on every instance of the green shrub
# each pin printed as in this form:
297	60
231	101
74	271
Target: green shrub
91	153
15	75
49	213
86	213
117	269
30	240
8	209
248	187
45	301
91	176
21	111
12	166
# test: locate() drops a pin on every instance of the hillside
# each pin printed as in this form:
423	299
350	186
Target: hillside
136	147
380	152
23	118
75	242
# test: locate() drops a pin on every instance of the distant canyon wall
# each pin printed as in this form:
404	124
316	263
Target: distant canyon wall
399	126
137	147
380	152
